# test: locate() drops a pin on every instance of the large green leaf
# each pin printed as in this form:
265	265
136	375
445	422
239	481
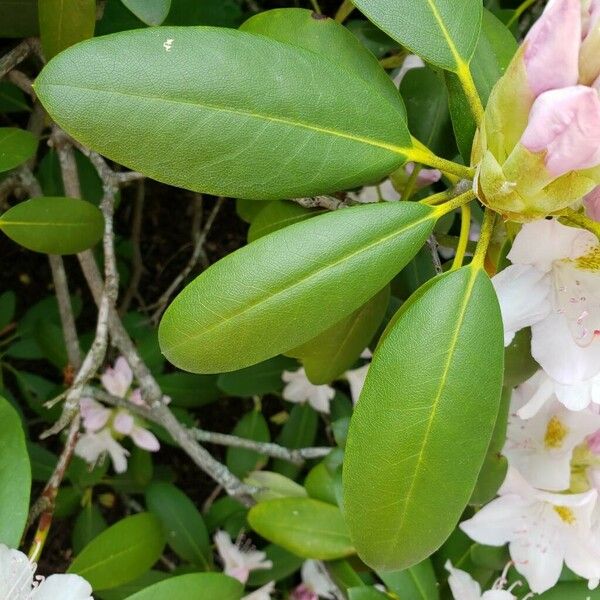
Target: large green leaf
53	225
64	23
308	528
425	416
337	348
121	553
152	12
15	476
225	112
195	586
326	37
16	146
415	583
287	287
443	32
183	524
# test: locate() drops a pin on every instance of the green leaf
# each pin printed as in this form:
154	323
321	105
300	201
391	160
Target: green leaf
415	583
443	32
187	390
366	593
12	98
121	553
15	476
257	380
8	302
251	426
224	134
319	484
152	12
519	365
308	528
18	18
284	564
273	485
89	524
343	575
53	225
16	146
326	37
63	24
570	591
372	37
445	389
277	215
195	586
291	271
183	524
125	591
336	349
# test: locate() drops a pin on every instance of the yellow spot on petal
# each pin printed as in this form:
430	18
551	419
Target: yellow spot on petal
566	514
555	433
589	261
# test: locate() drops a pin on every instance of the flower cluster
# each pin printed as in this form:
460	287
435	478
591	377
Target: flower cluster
105	427
538	149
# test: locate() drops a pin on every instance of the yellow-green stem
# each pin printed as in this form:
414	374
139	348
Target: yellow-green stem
316	7
487	228
426	157
411	183
468	84
465	198
436	198
519	11
344	11
463	240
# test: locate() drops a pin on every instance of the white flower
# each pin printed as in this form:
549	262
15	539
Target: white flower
263	593
239	562
356	379
125	424
543	530
464	587
17	581
316	580
93	446
300	389
553	286
541	448
118	379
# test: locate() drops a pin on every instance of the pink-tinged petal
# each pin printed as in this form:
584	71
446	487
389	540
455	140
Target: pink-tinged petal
94	415
593	442
145	439
118	380
565	124
592	204
136	397
303	592
124	422
552	47
425	177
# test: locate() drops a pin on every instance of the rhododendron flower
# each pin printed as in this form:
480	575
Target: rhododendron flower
316	583
300	390
92	447
544	531
17	581
263	593
464	587
591	203
541	448
239	562
553	286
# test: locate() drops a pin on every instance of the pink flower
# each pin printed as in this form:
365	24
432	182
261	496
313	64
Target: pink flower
94	415
239	562
303	592
593	442
125	424
425	177
118	380
565	124
592	204
552	47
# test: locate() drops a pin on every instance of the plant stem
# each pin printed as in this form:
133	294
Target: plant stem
344	11
519	11
468	84
463	240
316	7
411	183
423	155
464	198
487	228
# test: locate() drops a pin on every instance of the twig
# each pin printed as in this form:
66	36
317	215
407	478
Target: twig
435	257
326	202
17	55
21	80
193	261
137	264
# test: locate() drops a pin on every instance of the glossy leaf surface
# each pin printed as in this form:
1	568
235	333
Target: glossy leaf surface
426	415
53	225
195	586
214	129
152	12
16	146
264	295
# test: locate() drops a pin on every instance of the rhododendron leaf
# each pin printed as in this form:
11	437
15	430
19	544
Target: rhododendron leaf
284	564
16	146
277	215
121	553
264	296
252	426
443	32
427	426
194	586
15	476
308	528
220	131
415	583
151	13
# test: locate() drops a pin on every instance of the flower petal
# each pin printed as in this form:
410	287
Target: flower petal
16	574
124	422
462	585
145	439
63	587
118	380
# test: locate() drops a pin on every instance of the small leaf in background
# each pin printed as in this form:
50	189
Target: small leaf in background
42	462
63	24
519	365
257	380
151	12
121	553
183	524
53	225
16	146
366	593
89	524
446	385
195	586
273	485
248	210
293	271
277	215
15	476
241	135
442	32
8	303
252	426
18	23
336	349
284	564
415	583
187	390
319	484
306	527
123	592
12	98
343	575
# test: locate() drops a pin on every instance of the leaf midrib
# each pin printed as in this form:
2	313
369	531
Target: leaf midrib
304	280
449	41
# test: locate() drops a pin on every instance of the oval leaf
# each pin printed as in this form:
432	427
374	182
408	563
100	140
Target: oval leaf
53	225
183	524
15	476
63	24
252	426
195	586
428	425
264	295
443	32
16	146
151	12
277	215
308	528
225	135
121	553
